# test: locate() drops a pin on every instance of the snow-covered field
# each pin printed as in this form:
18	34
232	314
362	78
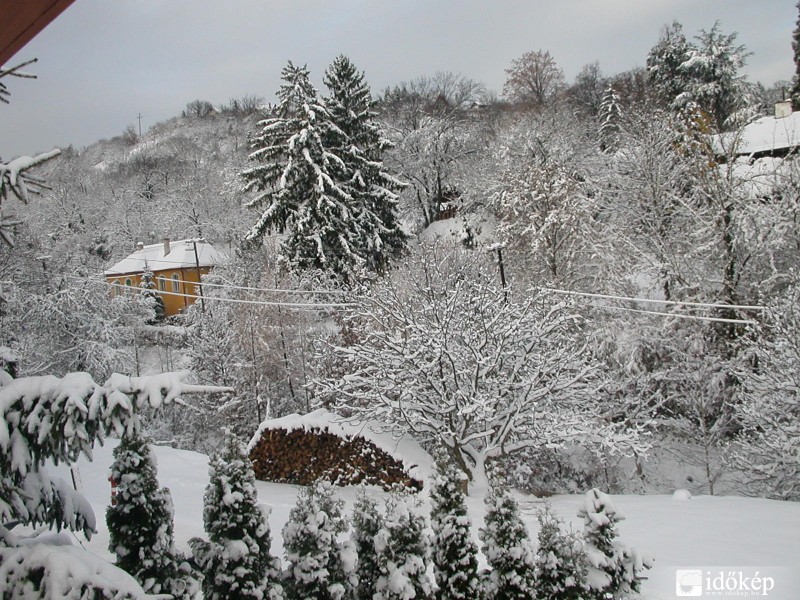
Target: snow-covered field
760	538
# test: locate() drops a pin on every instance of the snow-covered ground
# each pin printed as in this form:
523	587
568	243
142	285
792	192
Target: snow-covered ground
712	534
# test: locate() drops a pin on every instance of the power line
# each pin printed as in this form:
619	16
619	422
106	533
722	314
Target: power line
227	285
256	289
653	301
314	305
294	305
676	315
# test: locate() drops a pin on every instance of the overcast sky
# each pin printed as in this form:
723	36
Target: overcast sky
102	62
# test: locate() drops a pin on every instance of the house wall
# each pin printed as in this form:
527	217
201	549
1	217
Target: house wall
173	304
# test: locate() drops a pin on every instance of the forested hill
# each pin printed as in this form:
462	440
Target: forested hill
178	180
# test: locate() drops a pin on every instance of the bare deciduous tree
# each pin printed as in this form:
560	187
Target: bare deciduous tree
534	79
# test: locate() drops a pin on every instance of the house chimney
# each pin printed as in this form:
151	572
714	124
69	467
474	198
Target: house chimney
139	246
783	109
166	246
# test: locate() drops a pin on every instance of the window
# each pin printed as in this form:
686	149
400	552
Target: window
176	283
129	286
162	283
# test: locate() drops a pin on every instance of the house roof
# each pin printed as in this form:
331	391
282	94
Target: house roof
764	135
181	255
24	20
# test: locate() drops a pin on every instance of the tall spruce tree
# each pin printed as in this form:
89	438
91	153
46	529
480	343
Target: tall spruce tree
140	523
299	182
377	236
610	117
236	561
665	74
507	548
315	558
455	555
367	522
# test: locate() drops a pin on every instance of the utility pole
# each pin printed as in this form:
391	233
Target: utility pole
140	124
499	249
199	279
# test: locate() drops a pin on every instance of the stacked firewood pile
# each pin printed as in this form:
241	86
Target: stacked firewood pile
302	456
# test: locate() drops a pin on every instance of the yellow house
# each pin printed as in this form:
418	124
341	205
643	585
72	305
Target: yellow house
176	266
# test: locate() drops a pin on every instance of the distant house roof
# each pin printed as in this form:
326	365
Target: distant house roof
180	256
763	137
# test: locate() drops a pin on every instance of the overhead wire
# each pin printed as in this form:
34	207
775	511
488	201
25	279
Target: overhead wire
298	305
292	305
676	315
323	305
257	289
655	301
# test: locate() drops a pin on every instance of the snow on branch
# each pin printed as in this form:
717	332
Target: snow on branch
442	354
51	418
14	72
14	176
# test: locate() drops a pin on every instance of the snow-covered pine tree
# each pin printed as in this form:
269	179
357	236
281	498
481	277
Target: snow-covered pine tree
664	73
58	419
140	523
610	116
151	297
560	572
367	522
317	565
455	554
377	236
236	561
507	548
716	83
613	568
403	550
298	180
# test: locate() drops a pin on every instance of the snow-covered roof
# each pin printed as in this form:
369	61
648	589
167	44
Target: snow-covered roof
766	134
405	449
181	255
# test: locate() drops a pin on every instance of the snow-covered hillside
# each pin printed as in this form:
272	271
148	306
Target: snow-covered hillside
713	534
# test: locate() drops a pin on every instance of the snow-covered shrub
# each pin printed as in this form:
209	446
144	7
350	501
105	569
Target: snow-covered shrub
560	561
455	554
63	573
403	550
614	569
318	565
140	523
367	522
766	453
507	548
75	327
542	471
236	561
